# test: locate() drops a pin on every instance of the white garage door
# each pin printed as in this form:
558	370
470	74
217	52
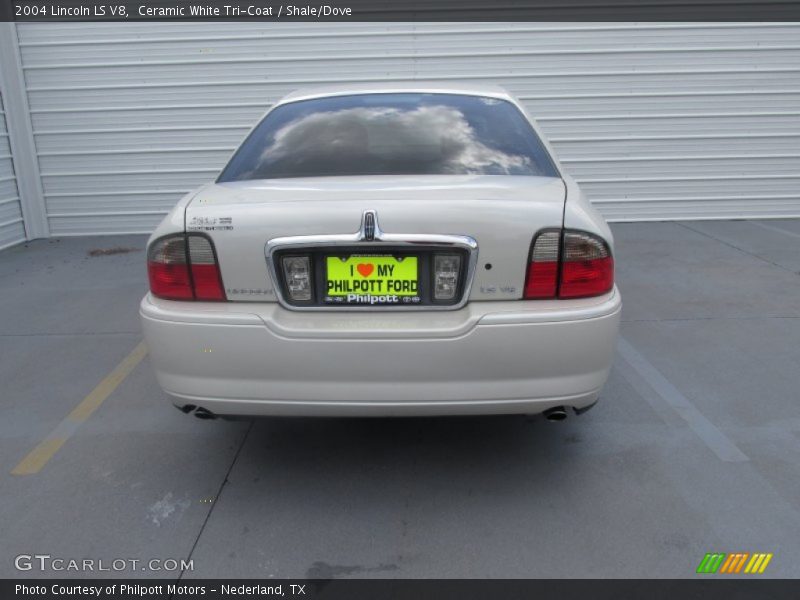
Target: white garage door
12	230
658	121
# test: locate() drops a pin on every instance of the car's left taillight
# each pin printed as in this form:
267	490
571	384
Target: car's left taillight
184	267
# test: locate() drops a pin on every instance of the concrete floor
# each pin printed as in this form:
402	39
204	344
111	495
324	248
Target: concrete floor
693	448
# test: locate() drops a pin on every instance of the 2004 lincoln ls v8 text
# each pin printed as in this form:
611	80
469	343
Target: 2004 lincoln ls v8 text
397	250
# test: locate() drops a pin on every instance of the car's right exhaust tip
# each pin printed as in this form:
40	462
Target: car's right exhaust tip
198	411
557	413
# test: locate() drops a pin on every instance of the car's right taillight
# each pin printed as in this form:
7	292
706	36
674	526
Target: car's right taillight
180	272
542	277
568	264
587	267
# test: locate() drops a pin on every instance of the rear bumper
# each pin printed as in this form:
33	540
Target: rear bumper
487	358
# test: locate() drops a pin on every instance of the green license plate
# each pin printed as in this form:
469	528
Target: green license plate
369	279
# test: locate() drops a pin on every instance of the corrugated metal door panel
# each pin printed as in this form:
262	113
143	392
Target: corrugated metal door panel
657	120
555	34
256	94
12	228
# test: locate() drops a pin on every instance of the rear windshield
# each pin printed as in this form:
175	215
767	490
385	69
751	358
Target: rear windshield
391	134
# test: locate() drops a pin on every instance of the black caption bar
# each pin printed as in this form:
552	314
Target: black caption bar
401	589
401	10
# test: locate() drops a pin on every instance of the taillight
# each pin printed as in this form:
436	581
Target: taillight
587	268
168	269
180	273
542	277
205	269
576	264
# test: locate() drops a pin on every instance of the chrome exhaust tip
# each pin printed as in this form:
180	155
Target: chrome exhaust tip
197	411
204	413
557	413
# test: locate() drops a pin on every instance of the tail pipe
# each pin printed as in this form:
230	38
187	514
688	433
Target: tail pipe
198	411
557	413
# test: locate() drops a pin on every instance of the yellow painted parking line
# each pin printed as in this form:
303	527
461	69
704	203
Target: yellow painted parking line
103	390
38	457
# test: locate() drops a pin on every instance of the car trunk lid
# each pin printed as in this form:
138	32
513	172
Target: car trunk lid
501	213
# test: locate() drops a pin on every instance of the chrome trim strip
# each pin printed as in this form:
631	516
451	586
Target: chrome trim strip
381	240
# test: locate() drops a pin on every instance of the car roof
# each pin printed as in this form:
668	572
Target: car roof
420	87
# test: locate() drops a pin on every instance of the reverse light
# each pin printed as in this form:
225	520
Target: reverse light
180	272
297	273
446	270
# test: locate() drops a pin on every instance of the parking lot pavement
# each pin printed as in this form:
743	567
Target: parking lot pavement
692	449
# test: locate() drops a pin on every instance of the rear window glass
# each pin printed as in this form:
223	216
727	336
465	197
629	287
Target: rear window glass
391	134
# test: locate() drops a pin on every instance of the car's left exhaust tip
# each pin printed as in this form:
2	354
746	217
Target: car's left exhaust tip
204	413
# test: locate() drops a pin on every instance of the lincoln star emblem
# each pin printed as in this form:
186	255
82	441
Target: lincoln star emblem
369	225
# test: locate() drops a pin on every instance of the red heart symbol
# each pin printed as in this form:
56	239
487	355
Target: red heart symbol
365	269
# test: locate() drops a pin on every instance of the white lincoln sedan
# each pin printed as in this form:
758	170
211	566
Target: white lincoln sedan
386	251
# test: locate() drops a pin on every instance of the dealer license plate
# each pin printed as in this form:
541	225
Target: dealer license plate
372	280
